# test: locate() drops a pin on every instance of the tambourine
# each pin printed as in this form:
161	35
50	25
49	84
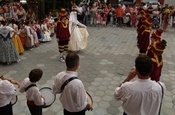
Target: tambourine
14	100
89	98
48	95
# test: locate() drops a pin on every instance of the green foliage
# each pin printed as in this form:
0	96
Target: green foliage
55	5
54	12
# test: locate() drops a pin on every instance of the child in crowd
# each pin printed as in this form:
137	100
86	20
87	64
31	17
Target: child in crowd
114	16
104	19
37	27
98	18
134	19
127	20
33	95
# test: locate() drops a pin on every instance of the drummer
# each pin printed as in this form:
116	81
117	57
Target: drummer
73	94
34	97
7	91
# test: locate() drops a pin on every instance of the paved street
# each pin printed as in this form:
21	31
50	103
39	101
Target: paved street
104	64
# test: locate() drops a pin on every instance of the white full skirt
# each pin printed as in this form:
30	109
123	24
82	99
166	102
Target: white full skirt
78	39
46	36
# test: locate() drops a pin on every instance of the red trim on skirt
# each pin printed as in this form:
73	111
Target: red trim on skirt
31	103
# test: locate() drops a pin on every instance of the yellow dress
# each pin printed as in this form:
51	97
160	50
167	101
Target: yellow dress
18	44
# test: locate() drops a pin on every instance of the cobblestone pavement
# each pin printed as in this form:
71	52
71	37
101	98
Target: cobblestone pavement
105	63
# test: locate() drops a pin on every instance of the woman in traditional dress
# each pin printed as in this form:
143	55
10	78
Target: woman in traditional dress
78	38
37	27
166	19
22	34
30	15
30	41
45	32
34	33
8	53
16	39
6	13
21	14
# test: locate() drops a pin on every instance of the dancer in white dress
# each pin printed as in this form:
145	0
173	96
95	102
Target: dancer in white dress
79	33
45	32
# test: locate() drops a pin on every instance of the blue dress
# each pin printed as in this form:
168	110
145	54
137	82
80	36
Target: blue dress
8	52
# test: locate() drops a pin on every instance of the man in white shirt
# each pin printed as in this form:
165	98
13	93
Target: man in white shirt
73	95
7	91
142	96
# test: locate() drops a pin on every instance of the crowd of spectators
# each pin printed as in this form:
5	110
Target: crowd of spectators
18	18
28	32
101	13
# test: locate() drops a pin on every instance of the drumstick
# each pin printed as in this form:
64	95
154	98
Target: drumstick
10	80
89	108
90	97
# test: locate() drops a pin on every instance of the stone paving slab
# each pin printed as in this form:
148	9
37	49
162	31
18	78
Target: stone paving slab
105	63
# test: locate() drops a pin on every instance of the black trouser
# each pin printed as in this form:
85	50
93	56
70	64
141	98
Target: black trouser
35	110
80	18
108	19
63	45
120	21
74	113
142	51
128	24
85	20
114	20
6	110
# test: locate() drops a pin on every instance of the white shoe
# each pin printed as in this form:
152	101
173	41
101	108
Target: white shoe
18	60
8	63
61	59
64	56
31	49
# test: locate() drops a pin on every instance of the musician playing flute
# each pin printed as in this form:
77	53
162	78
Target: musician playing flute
7	91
